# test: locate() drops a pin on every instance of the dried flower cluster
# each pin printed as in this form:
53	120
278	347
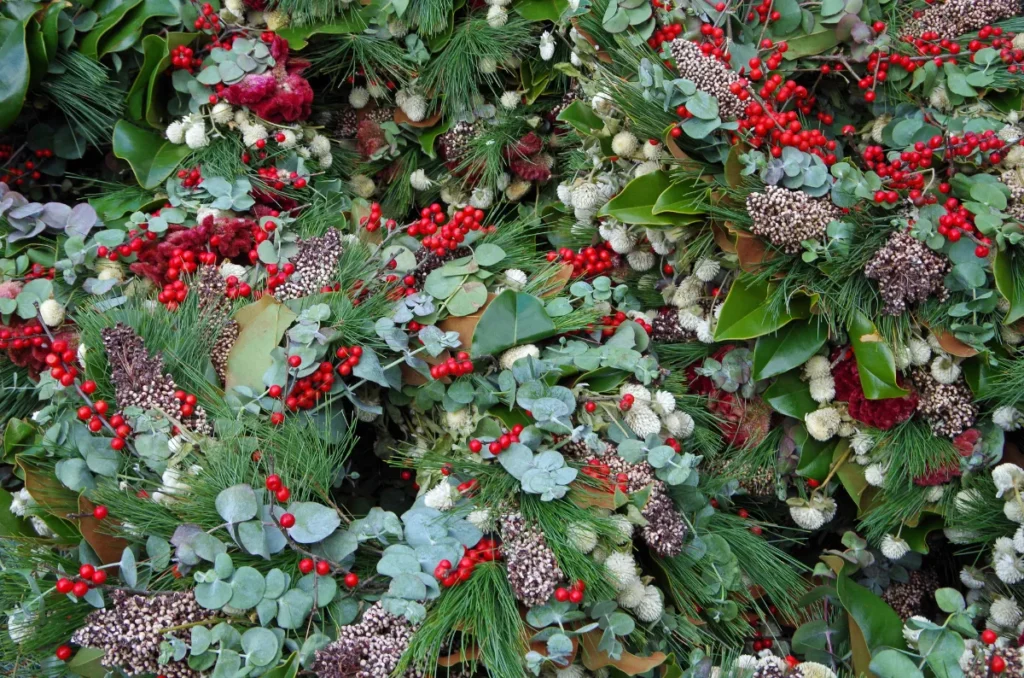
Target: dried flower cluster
215	309
953	18
665	529
533	571
913	596
949	408
129	631
907	272
139	378
368	649
709	74
785	218
315	265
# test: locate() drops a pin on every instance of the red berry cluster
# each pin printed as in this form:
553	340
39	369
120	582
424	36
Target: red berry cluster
500	444
371	222
666	33
763	13
278	274
573	594
458	366
485	551
761	643
589	261
188	402
237	289
626	402
764	125
208	20
190	178
39	271
442	233
901	173
467	488
278	179
610	322
89	576
958	222
184	59
173	294
18	174
599	470
274	484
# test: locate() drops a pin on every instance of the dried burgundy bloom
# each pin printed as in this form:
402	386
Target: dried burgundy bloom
533	571
369	649
315	265
911	597
128	631
785	218
908	272
949	408
709	74
953	18
279	95
881	414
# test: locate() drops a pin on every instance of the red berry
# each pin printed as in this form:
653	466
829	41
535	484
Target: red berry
287	520
561	594
475	446
283	494
274	391
89	387
294	361
100	512
743	513
981	251
80	589
989	637
99	577
64	585
576	597
86	571
590	407
273	482
323	568
998	664
306	565
64	653
352	579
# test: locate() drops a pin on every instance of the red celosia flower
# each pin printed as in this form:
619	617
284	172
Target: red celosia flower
369	137
279	95
881	414
229	237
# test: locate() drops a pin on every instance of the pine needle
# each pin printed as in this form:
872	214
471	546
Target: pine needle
88	96
340	57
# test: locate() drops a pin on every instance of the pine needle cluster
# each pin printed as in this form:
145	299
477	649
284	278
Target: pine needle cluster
339	57
88	96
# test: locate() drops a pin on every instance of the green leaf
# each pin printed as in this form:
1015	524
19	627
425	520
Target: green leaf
746	313
957	83
237	503
881	626
875	361
349	22
894	664
635	203
293	608
90	45
313	522
427	137
151	157
487	254
1006	269
541	10
86	663
581	116
14	67
950	600
991	194
790	347
791	396
261	646
682	197
468	299
512	318
810	44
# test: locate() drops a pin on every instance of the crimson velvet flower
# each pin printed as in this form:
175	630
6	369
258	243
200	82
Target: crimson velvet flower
281	94
881	414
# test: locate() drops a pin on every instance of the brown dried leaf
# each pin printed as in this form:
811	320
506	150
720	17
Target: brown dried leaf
628	663
262	325
954	346
722	238
402	119
106	546
752	252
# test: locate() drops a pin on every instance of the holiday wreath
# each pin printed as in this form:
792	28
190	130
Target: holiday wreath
563	338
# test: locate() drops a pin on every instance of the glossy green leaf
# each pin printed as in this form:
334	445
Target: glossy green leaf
875	361
894	664
881	626
815	455
1007	271
789	347
581	116
14	70
350	22
682	197
813	43
635	203
791	396
540	10
128	31
154	48
151	157
747	315
90	45
512	318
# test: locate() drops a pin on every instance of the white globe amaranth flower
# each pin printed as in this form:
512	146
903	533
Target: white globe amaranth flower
664	402
420	181
875	475
497	16
1018	540
482	197
1013	510
362	185
1010	335
806	517
706	269
564	193
632	595
1008	418
195	136
1005	611
642	420
52	312
222	113
894	547
487	65
582	537
586	196
415	106
358	97
440	497
623	527
622	240
823	390
325	161
377	90
509	357
397	28
509	100
705	333
817	367
653	151
624	144
652	606
745	662
571	671
253	133
640	260
20	502
679	424
920	351
175	132
944	370
816	670
823	424
236	7
645	168
1007	477
622	569
547	46
640	393
515	278
1008	568
320	145
901	354
460	422
480	518
939	97
934	494
972	578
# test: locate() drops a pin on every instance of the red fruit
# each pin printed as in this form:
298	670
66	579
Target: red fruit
100	406
495	447
989	637
812	483
475	446
981	251
100	512
306	565
64	653
323	568
274	391
273	482
117	444
84	412
743	513
756	530
287	520
283	494
561	594
99	577
294	361
64	585
89	387
352	580
80	589
86	571
576	597
998	664
590	407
